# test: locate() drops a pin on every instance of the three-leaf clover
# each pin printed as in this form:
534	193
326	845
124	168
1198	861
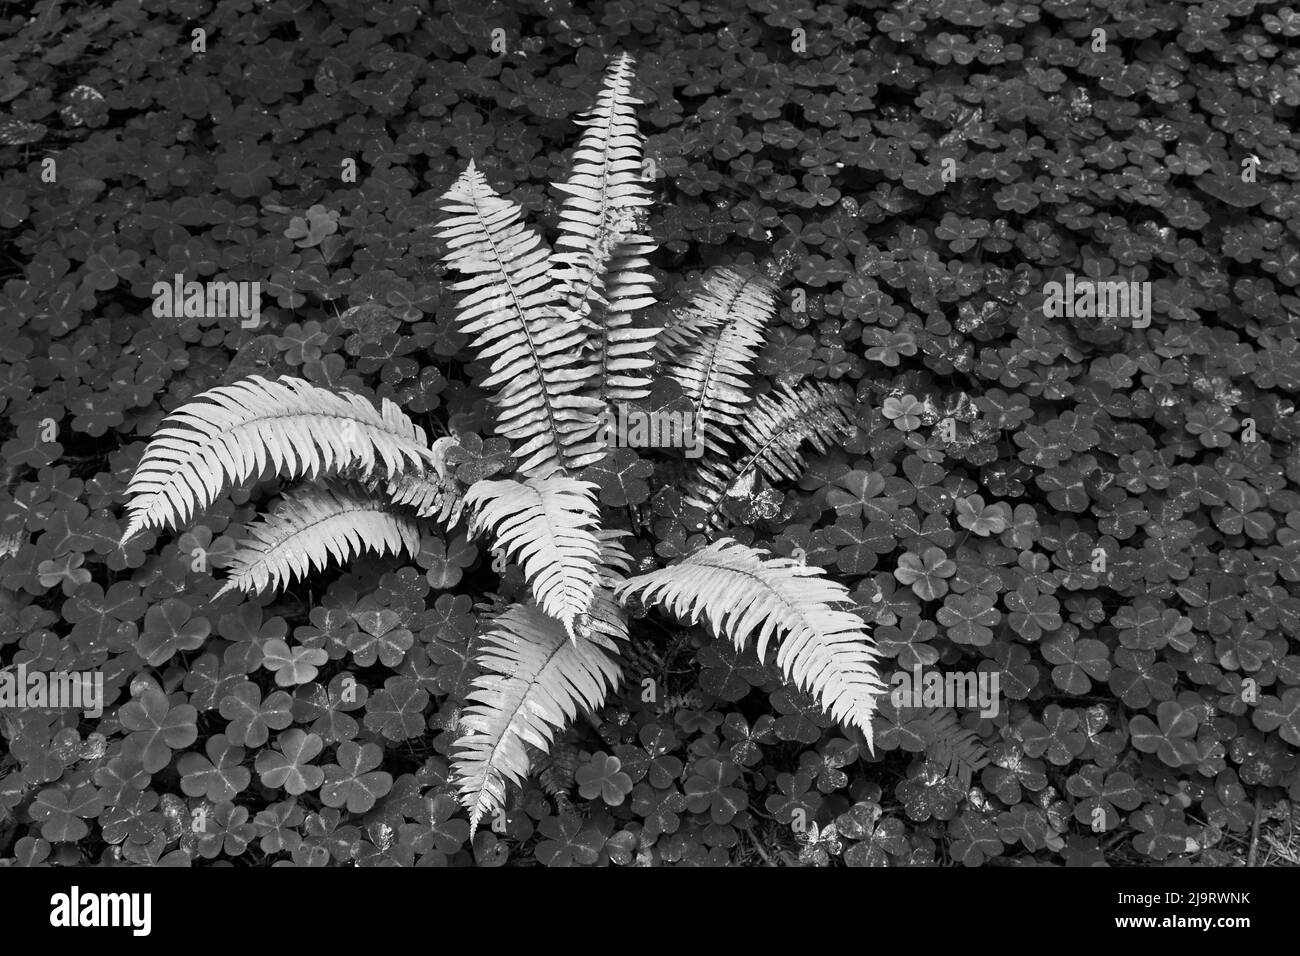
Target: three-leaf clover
603	776
157	728
353	782
289	766
218	776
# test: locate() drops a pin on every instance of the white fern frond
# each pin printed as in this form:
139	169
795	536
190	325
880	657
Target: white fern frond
548	524
714	372
513	310
605	194
430	496
707	308
231	433
537	679
435	495
771	432
312	527
621	352
743	593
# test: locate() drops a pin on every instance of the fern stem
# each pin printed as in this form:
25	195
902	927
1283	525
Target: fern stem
753	838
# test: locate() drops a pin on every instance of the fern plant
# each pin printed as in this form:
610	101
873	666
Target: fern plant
951	746
558	330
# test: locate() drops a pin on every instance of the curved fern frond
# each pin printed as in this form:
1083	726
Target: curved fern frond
536	681
740	592
312	527
512	308
714	371
771	432
605	194
230	434
549	525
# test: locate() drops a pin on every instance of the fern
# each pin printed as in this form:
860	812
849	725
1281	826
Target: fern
559	334
741	593
621	353
615	561
714	371
770	434
605	194
435	495
429	496
707	308
601	251
313	526
953	746
513	309
538	679
229	434
557	328
549	524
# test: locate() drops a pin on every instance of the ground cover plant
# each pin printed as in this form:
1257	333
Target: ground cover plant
363	578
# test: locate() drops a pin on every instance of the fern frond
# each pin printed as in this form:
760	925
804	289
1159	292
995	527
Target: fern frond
771	432
953	746
607	617
605	194
714	371
708	307
313	526
229	434
436	496
430	496
536	682
740	592
615	560
513	309
549	525
621	353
